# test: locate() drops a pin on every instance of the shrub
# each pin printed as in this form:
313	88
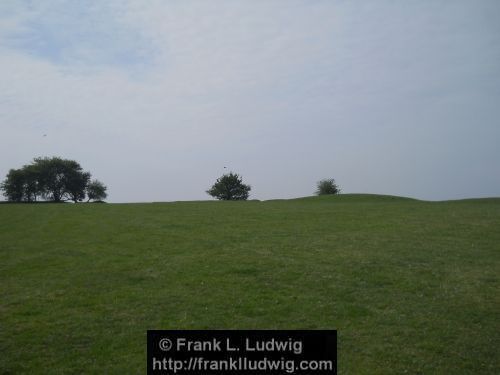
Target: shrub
230	187
327	186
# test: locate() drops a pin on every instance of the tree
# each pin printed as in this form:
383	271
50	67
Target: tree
76	184
54	179
21	185
230	187
61	179
13	185
327	186
96	191
31	188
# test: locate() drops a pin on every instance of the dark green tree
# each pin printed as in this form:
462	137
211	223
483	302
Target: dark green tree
32	189
54	179
61	179
230	187
96	191
51	177
327	186
76	185
21	185
13	185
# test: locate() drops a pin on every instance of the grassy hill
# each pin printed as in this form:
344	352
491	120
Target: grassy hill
411	286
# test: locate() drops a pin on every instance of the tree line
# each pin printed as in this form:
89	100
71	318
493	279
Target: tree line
52	179
58	180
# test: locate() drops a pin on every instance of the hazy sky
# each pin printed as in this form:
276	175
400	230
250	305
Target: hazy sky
156	97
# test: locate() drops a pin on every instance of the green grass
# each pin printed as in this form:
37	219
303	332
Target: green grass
411	286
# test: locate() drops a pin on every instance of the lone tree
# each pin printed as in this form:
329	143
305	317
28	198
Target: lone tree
53	179
230	187
327	186
96	191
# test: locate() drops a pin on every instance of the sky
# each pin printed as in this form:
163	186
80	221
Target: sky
159	98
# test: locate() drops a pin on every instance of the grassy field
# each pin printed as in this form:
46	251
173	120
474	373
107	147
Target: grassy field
411	286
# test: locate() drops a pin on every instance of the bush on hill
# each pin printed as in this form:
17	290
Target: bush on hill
230	187
327	186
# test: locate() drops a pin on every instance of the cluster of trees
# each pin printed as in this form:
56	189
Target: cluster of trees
52	179
231	187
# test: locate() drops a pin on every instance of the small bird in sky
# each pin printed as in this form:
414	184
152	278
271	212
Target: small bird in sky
45	135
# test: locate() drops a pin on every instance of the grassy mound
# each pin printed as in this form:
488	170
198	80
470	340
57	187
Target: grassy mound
411	286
